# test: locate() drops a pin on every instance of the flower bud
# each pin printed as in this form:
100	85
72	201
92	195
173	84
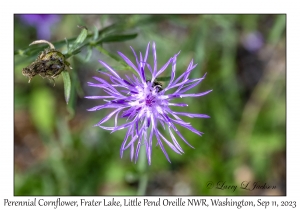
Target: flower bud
49	63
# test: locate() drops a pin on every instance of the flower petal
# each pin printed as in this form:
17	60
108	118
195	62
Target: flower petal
195	94
109	68
128	62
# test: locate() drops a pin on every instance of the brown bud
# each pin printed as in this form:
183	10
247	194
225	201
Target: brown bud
49	63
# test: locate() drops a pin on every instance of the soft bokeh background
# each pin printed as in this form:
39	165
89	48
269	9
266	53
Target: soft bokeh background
57	151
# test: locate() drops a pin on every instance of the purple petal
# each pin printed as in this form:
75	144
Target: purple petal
109	68
180	135
162	123
108	116
146	53
192	115
98	97
143	74
116	119
136	58
178	104
111	76
122	126
175	141
173	69
131	152
129	79
188	87
124	142
106	84
185	74
138	146
169	144
107	105
131	141
195	94
162	147
128	83
176	85
149	67
192	129
171	96
154	59
162	69
128	62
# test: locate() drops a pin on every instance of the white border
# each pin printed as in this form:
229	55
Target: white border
154	6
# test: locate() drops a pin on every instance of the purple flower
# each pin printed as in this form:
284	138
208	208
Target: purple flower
42	22
253	41
146	104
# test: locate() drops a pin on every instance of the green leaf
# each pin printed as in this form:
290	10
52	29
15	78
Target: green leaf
89	54
105	52
76	46
103	69
80	39
278	30
68	46
74	52
67	84
33	50
117	38
119	26
109	29
96	33
41	108
72	102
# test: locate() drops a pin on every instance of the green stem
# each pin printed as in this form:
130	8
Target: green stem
142	168
105	52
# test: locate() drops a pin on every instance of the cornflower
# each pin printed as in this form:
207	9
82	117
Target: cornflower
146	104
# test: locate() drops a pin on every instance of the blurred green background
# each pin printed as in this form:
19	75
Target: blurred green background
57	151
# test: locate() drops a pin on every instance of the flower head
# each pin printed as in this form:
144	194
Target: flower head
253	41
146	104
42	22
49	63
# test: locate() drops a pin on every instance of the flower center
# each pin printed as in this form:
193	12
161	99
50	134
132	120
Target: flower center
148	95
150	100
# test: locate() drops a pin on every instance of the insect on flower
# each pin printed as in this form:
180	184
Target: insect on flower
156	84
146	104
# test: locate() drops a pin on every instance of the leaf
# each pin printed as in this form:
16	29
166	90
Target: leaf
117	38
33	50
109	29
68	46
278	30
42	42
71	104
96	33
102	69
77	44
113	56
41	108
119	26
67	85
80	39
78	50
89	54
